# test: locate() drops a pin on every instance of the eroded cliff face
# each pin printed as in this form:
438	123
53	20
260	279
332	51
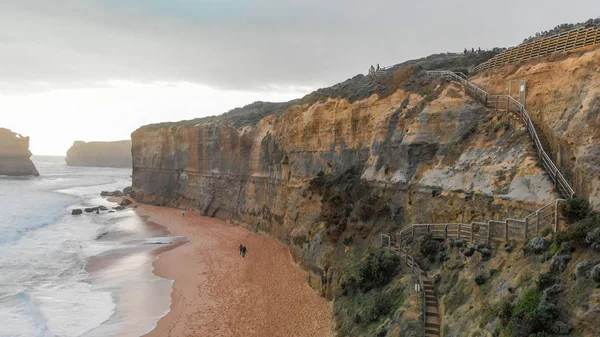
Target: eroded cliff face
100	154
15	154
563	97
424	153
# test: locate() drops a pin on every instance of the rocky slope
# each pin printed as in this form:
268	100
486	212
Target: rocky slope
563	97
15	154
100	154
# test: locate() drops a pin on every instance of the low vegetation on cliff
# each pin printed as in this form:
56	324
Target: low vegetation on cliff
544	289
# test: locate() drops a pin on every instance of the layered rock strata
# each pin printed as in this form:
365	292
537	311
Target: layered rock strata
100	154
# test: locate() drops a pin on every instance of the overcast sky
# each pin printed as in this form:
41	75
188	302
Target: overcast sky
98	69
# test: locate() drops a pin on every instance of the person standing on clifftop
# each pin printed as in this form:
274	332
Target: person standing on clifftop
241	248
244	249
183	213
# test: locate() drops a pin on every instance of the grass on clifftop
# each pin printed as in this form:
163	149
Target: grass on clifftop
405	76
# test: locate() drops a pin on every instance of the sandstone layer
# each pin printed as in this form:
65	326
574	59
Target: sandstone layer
563	98
423	152
100	154
15	155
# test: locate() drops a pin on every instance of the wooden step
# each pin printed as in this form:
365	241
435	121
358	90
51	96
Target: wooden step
431	309
433	325
433	330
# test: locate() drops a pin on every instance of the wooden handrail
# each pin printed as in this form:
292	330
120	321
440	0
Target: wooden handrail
535	217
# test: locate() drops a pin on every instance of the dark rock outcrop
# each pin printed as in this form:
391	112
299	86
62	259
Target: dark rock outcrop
115	193
100	154
76	211
125	202
15	155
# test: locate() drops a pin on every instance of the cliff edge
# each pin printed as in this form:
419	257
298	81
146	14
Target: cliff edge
100	154
15	155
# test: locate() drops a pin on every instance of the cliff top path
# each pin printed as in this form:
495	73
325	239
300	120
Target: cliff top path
218	293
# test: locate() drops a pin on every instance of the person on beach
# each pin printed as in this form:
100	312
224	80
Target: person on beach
241	248
244	249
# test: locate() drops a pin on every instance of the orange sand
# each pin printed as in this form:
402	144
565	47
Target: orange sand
218	293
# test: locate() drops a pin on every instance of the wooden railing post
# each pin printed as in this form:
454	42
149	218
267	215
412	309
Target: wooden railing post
526	227
472	235
413	231
489	236
537	223
506	230
556	215
445	231
458	231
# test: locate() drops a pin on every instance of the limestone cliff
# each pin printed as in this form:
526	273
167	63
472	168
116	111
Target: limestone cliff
563	97
100	154
15	154
423	152
328	172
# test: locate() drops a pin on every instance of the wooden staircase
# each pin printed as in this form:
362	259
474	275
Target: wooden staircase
509	104
432	313
429	305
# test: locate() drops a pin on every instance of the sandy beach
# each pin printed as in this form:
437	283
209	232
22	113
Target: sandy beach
218	293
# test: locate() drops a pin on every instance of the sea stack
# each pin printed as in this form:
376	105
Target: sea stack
15	155
100	154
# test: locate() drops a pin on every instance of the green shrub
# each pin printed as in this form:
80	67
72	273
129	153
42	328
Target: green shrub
505	313
537	245
562	236
580	229
545	314
561	328
539	334
560	263
430	247
592	239
458	243
378	269
349	286
582	270
544	281
486	254
527	305
300	240
595	273
480	279
468	252
577	209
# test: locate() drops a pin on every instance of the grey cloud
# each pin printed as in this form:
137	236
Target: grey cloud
273	44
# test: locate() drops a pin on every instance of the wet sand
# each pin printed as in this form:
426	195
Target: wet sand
217	293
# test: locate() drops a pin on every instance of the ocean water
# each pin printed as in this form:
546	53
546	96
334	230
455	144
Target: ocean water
47	287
